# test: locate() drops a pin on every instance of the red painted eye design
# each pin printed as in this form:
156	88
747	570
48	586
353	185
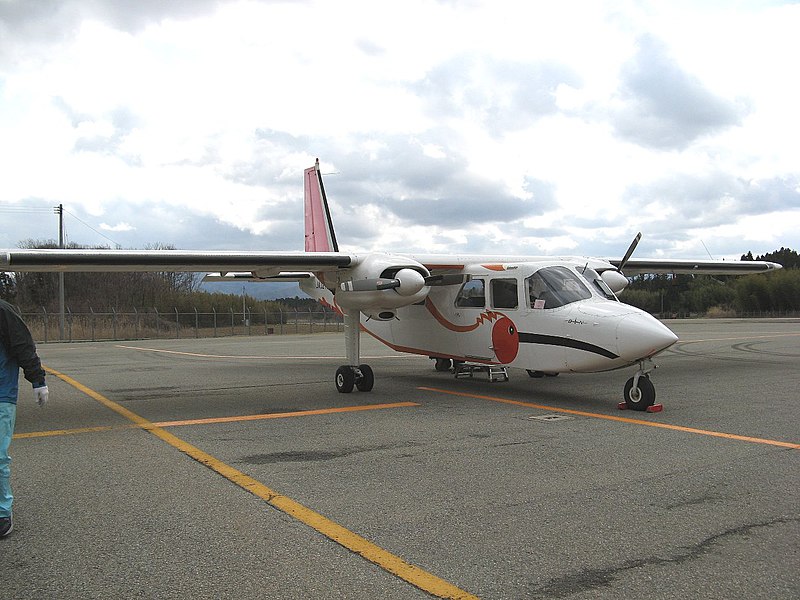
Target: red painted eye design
505	340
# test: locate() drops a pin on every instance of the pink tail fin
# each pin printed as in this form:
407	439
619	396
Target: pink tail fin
319	227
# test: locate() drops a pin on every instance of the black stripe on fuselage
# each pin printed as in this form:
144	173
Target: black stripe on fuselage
554	340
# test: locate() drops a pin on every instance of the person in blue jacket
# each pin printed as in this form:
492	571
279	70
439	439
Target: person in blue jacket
17	350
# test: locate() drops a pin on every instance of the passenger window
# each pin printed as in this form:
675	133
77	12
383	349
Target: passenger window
472	295
504	293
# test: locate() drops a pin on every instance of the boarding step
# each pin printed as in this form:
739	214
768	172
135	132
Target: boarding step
493	372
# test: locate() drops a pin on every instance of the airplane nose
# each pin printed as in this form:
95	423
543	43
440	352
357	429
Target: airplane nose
640	335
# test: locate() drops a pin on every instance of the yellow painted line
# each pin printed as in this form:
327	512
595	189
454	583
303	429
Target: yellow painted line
730	436
250	357
38	434
352	541
213	420
283	415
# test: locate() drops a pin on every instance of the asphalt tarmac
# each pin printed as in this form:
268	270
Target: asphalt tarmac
428	486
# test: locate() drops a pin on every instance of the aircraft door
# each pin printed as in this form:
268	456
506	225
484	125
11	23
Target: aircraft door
539	323
469	312
504	332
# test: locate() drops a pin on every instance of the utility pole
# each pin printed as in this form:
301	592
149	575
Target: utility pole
60	212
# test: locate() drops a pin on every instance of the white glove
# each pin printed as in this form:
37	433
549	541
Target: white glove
41	394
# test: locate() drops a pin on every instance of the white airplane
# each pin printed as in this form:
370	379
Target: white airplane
547	315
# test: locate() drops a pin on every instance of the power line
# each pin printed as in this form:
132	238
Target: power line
24	209
118	245
41	209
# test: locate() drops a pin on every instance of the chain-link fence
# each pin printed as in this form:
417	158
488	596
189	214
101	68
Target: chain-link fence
153	324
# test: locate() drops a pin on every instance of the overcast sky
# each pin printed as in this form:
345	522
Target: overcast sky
500	126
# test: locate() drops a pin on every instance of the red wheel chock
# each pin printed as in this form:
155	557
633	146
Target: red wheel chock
651	409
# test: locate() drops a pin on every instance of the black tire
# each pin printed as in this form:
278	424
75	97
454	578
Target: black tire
367	379
444	364
535	374
345	379
641	398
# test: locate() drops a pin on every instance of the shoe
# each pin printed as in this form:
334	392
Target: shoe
6	525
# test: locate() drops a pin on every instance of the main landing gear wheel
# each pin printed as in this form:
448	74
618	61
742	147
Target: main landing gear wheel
367	379
538	374
642	396
345	379
444	364
348	377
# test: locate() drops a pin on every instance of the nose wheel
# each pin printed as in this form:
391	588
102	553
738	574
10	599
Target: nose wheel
639	392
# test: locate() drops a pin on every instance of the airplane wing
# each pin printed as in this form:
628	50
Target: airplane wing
286	265
260	264
636	266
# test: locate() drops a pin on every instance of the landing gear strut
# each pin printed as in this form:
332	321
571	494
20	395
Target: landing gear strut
640	394
353	375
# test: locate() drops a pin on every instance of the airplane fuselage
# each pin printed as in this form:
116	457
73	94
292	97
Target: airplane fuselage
548	317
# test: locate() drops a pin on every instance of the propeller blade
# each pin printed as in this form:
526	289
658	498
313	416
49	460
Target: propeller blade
446	279
628	254
370	285
406	282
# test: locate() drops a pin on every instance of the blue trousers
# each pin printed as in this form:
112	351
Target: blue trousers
8	415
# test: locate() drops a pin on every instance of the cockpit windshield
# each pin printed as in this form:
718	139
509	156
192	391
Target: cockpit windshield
551	287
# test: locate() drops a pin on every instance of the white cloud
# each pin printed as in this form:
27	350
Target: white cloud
121	226
532	127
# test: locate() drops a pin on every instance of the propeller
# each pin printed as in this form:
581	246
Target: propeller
628	254
447	279
615	278
406	282
370	285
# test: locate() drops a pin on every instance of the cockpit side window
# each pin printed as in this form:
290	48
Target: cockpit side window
552	287
594	278
472	294
504	293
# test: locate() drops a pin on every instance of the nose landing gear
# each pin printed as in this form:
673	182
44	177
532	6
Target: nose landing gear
639	392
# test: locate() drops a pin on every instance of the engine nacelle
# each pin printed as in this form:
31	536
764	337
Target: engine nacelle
381	283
